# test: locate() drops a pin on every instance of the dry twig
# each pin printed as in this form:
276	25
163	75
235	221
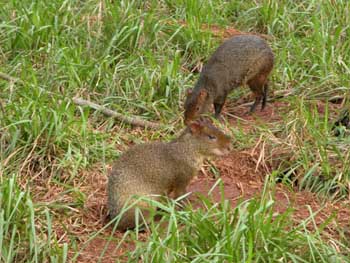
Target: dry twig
7	77
134	120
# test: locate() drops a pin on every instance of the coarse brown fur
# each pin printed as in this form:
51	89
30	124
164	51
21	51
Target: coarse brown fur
162	168
240	60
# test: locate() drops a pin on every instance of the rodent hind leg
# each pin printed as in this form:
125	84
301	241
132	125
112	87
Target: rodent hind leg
127	220
179	191
137	215
256	102
258	85
265	95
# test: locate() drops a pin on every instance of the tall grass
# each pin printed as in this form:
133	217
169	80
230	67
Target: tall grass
139	57
25	230
312	157
250	232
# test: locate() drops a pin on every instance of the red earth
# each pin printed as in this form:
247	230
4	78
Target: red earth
242	173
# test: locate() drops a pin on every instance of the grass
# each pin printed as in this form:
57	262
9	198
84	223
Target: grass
251	232
216	232
23	236
139	57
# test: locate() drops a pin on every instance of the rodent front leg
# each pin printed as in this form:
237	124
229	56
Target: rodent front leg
218	108
218	104
179	191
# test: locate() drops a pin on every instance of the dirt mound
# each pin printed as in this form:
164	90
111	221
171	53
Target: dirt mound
242	174
239	174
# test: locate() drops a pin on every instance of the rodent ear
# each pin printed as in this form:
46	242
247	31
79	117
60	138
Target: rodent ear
189	91
204	121
195	127
203	94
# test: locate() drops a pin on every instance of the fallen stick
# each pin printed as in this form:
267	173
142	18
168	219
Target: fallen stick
135	121
4	76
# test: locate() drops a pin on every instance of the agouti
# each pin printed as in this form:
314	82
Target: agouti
240	60
162	169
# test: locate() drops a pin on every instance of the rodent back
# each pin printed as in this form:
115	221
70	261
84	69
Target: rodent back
239	55
143	159
154	169
233	64
147	162
142	170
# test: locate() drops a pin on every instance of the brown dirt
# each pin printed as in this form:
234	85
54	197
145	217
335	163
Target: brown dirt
242	174
239	174
242	178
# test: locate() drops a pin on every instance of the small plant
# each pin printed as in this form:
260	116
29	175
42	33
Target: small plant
26	231
138	58
250	232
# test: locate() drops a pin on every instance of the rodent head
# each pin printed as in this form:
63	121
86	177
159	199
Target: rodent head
197	102
209	140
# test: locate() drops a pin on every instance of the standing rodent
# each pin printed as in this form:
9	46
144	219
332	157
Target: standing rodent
240	60
162	168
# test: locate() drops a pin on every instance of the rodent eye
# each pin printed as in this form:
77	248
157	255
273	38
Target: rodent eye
211	137
197	109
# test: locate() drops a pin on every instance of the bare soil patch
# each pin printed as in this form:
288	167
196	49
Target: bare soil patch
242	179
242	174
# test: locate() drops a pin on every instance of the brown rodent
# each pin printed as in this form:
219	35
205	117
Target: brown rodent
161	168
240	60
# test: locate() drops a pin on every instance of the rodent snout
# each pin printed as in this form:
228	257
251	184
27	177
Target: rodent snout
229	146
223	151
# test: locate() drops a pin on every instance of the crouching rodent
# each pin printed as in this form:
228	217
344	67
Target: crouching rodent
160	168
240	60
